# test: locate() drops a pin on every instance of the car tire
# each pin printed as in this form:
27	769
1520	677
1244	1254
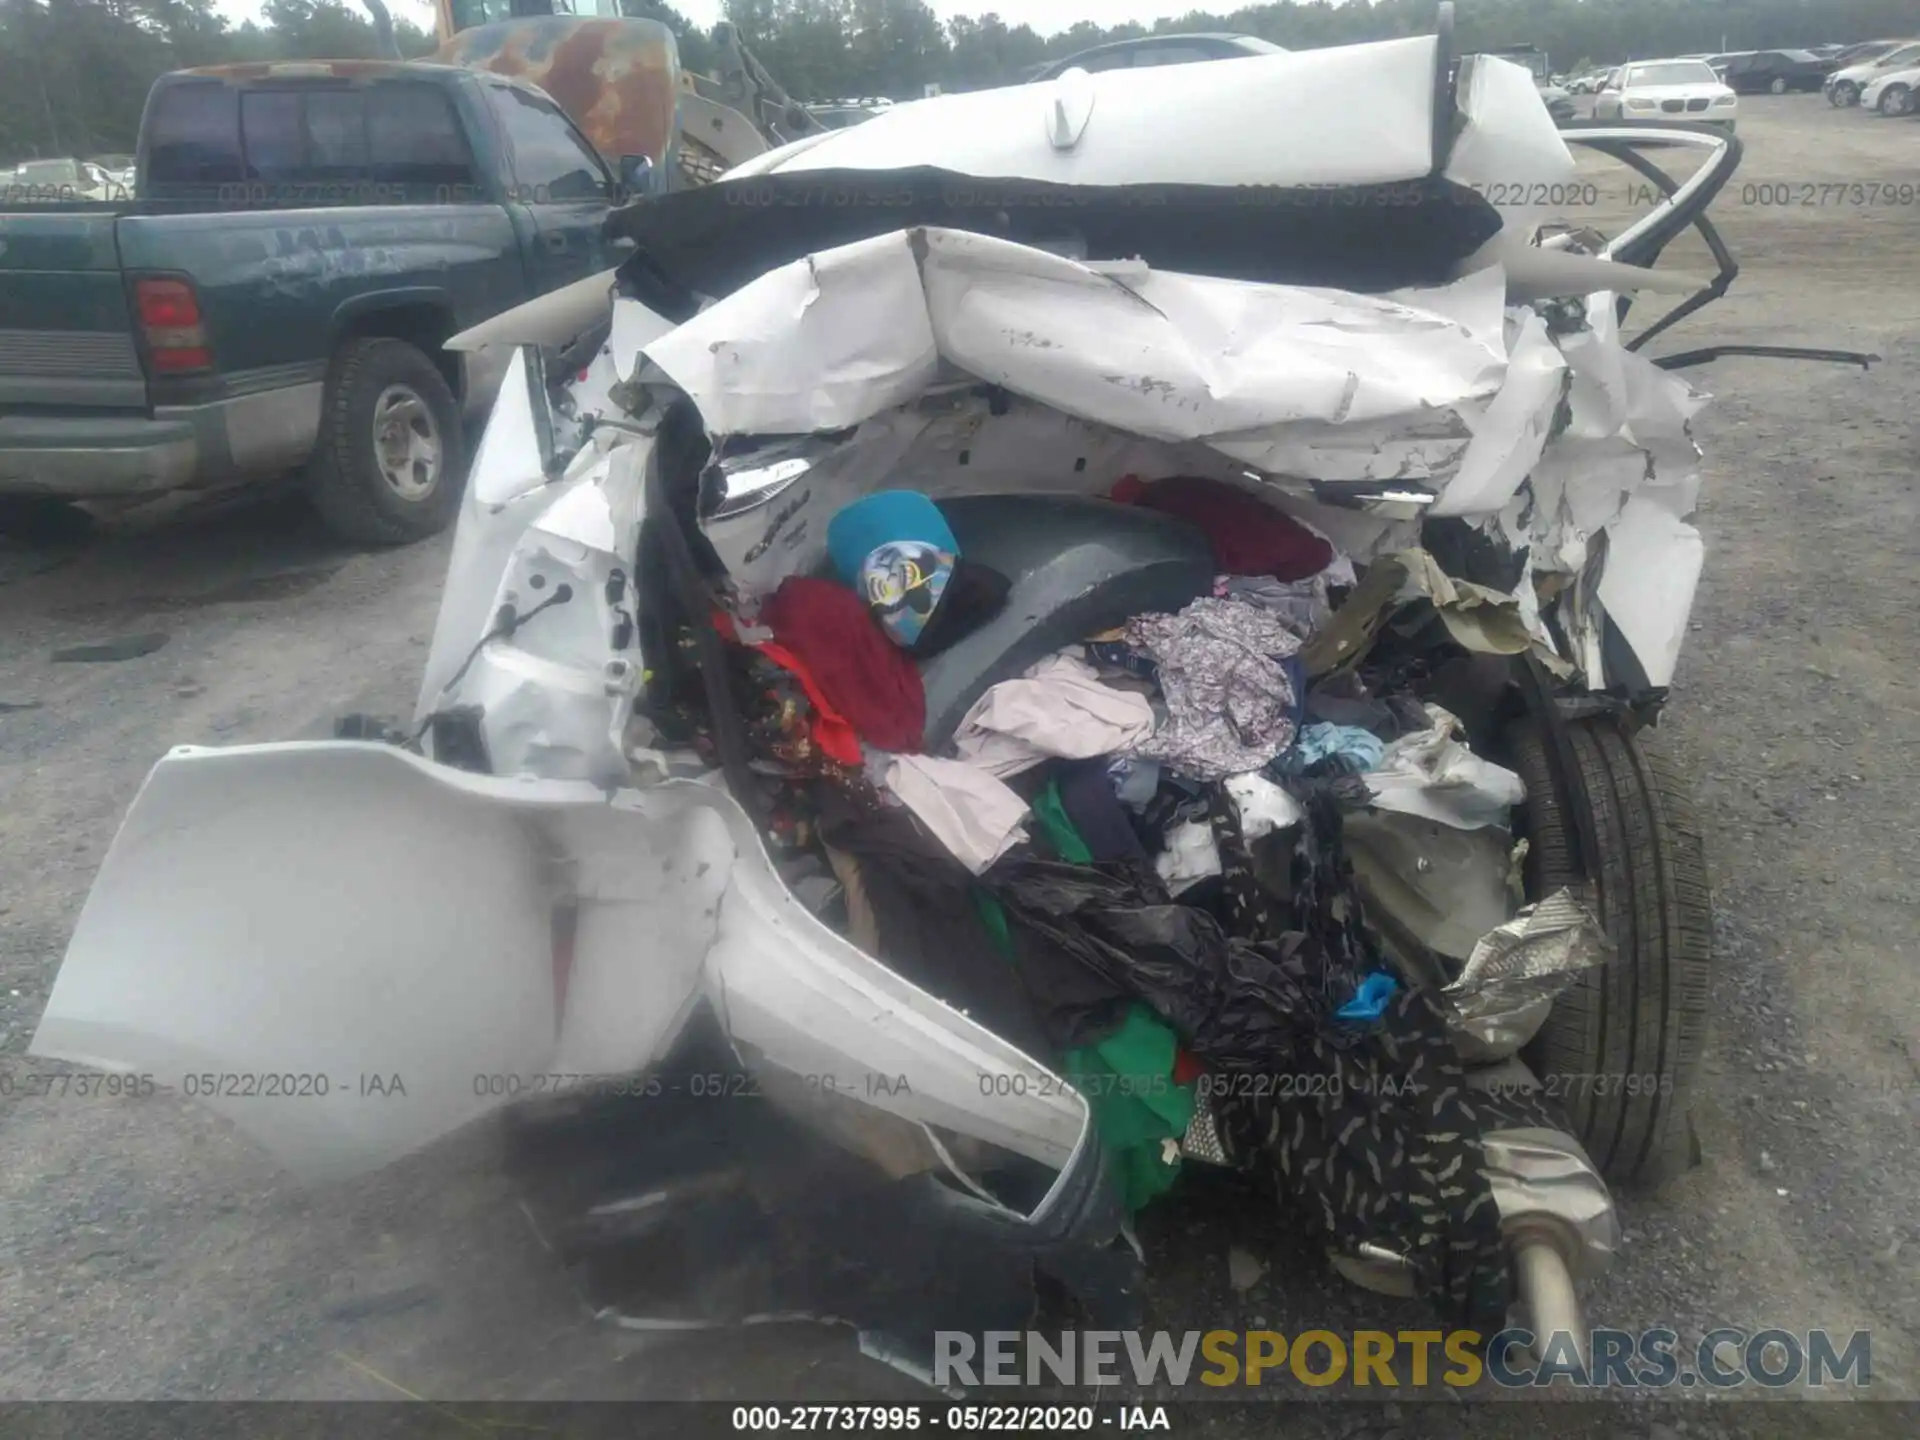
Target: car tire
1646	1013
1896	100
1779	86
390	458
1844	95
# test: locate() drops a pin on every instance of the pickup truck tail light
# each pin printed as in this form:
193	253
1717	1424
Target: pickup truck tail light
170	322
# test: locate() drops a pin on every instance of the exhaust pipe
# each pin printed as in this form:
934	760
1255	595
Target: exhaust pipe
1546	1289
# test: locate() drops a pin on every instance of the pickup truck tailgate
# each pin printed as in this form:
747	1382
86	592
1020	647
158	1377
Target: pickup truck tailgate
66	341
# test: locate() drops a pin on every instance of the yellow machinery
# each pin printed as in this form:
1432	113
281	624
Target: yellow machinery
619	79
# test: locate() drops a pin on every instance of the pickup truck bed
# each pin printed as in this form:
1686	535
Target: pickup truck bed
239	321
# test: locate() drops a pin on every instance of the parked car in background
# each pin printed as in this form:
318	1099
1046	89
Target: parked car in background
1893	92
839	114
117	168
1158	50
1867	50
56	182
1718	63
1844	85
1587	83
1667	90
1776	72
275	299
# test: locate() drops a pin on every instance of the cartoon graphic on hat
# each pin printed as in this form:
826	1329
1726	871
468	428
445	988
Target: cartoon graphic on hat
902	581
895	548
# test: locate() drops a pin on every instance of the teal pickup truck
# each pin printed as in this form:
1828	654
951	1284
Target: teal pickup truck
273	296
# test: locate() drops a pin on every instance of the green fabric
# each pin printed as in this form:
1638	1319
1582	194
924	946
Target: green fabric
1127	1077
1127	1080
1051	812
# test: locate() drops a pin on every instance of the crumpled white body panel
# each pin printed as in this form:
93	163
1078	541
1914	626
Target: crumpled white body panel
1368	109
304	917
1119	369
840	337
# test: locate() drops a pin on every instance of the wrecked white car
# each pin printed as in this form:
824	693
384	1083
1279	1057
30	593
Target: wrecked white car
1016	677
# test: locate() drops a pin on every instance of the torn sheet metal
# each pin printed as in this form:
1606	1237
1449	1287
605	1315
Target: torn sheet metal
1264	374
634	326
447	969
1511	430
1511	980
507	486
1478	618
1627	428
1441	886
1610	498
1653	566
556	671
550	319
1546	1173
1509	141
1433	774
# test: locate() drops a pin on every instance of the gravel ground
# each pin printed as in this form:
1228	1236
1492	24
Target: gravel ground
146	1252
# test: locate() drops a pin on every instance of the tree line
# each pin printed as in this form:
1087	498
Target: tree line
74	74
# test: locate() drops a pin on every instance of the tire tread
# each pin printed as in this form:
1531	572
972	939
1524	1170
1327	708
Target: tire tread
1647	1012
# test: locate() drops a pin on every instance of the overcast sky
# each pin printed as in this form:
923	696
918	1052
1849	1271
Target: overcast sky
1046	16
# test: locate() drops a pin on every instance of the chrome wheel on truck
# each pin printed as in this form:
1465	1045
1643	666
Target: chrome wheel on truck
389	460
406	442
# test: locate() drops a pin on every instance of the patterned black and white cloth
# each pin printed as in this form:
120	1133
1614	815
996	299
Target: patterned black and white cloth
1369	1123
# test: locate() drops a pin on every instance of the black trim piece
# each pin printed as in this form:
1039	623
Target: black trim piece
1622	662
1646	251
1583	842
698	602
714	239
1711	353
1445	89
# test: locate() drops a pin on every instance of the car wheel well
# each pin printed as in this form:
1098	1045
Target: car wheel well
424	326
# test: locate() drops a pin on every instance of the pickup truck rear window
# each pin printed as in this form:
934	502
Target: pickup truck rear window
194	135
394	133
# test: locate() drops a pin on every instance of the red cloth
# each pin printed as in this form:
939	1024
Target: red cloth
830	729
1186	1069
1248	537
861	674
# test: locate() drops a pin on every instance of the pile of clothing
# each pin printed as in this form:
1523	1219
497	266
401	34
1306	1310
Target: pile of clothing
1172	861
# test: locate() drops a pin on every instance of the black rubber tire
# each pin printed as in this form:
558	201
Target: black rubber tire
343	480
1896	100
1779	86
1844	96
1646	1014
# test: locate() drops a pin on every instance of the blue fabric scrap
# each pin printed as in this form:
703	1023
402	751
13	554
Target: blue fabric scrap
1370	1000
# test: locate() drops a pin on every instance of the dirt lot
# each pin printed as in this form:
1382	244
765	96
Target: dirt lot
146	1252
